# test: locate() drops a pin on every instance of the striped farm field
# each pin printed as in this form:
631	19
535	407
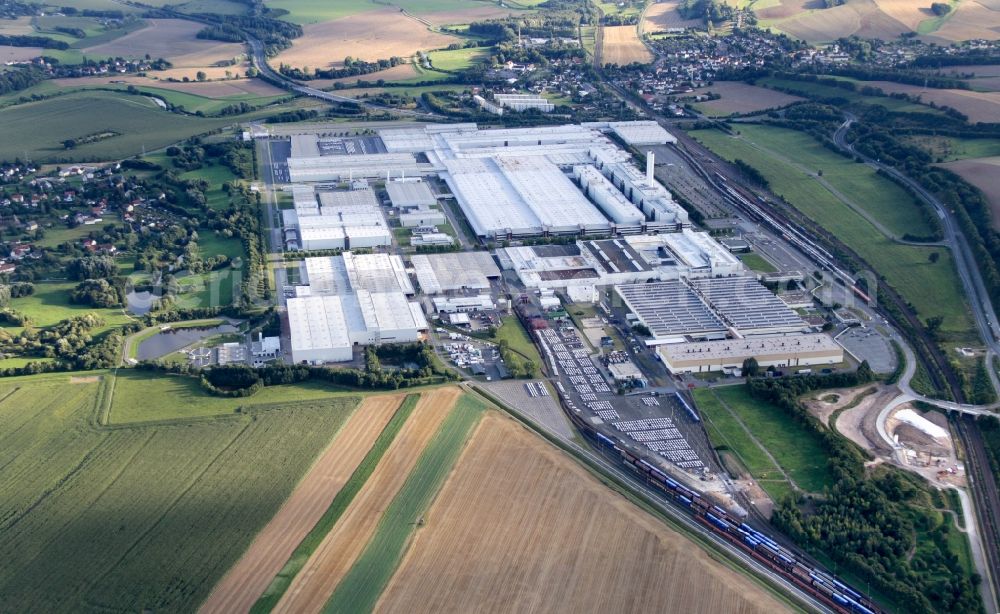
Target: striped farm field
519	527
316	582
272	548
138	517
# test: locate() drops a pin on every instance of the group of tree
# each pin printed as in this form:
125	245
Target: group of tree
869	522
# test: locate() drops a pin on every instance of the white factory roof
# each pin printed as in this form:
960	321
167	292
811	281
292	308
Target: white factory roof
642	133
608	197
697	250
438	273
520	195
410	193
352	272
488	200
762	346
317	322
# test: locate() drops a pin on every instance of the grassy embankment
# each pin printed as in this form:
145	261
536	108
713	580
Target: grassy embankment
905	267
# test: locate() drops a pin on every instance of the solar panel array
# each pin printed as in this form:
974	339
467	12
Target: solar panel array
746	304
670	308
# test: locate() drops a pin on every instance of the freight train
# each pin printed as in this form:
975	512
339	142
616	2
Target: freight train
762	547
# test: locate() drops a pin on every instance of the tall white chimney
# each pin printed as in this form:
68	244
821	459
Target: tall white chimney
649	167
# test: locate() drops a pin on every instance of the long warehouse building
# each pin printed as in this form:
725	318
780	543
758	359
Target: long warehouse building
352	300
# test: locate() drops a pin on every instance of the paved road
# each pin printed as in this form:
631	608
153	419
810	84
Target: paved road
259	59
968	272
984	492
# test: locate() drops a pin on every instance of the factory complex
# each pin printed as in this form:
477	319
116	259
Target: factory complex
575	215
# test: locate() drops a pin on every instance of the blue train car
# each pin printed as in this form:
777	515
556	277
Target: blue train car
605	440
684	500
690	410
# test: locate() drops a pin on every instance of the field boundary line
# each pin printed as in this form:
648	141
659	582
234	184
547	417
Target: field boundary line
342	545
283	580
644	502
366	579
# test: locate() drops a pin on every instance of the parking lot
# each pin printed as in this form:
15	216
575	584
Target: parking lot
651	423
867	343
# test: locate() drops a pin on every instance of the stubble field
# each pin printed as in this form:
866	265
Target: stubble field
978	106
373	35
663	15
982	173
739	97
621	45
536	533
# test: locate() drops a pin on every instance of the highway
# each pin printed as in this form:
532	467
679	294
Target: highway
981	483
259	59
968	272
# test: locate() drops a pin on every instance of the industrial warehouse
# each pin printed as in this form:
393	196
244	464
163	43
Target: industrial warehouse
516	182
351	300
624	229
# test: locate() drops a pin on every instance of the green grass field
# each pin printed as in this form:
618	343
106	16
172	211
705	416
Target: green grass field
830	91
726	433
459	59
50	304
37	129
795	448
338	506
315	11
140	518
905	267
361	587
757	263
948	149
142	397
517	339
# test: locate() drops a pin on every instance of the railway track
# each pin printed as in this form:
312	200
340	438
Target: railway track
751	204
985	495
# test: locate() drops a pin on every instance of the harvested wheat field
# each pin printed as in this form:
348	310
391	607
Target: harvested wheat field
663	15
984	173
972	19
739	97
861	18
518	527
162	38
272	547
372	35
621	45
908	12
460	16
315	583
19	54
978	106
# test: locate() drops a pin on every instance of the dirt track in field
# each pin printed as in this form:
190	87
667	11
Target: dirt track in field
269	552
317	580
520	528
